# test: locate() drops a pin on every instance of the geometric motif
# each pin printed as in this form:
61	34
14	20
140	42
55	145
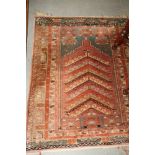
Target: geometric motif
79	83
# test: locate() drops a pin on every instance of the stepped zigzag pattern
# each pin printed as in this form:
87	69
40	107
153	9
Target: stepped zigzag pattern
85	76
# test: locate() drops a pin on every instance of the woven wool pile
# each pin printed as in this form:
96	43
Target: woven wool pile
79	83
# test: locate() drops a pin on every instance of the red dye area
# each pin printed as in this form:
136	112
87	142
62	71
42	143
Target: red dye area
77	98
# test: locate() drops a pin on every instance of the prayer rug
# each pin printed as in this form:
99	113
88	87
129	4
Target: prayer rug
79	83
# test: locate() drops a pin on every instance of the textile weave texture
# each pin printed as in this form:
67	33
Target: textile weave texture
79	83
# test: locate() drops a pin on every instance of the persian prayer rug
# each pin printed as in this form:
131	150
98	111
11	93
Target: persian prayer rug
79	83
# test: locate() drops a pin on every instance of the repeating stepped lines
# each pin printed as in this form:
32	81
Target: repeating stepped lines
88	85
85	70
85	61
87	105
87	79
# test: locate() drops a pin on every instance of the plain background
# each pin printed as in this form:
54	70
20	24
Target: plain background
13	77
